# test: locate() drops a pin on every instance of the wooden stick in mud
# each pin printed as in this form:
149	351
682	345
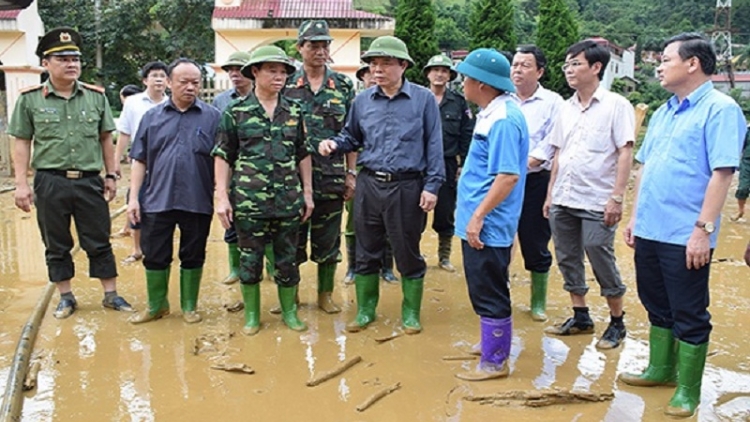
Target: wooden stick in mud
377	396
540	398
30	382
325	376
382	340
459	357
640	116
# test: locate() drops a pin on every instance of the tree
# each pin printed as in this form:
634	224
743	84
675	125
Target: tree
491	25
557	30
415	25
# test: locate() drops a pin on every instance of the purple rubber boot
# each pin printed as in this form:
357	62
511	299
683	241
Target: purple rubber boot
497	335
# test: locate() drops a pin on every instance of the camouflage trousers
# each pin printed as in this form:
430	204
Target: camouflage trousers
324	231
253	234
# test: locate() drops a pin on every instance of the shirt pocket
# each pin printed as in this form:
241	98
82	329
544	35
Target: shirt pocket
202	144
597	139
334	117
89	123
46	124
451	124
686	143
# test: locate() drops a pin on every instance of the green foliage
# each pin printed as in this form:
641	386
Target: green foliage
415	25
556	32
491	25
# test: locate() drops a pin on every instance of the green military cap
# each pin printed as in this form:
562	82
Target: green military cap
314	30
61	41
267	54
388	46
361	71
238	58
441	60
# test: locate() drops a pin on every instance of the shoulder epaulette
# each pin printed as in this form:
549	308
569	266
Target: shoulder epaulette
96	88
30	88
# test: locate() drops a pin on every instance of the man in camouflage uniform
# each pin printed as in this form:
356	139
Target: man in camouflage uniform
71	126
458	125
325	96
261	149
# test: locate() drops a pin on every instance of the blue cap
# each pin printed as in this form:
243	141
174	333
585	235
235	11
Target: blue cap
488	66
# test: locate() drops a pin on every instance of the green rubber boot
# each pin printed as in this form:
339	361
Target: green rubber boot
368	294
412	289
288	301
157	286
691	359
190	284
539	296
325	288
251	297
234	264
270	262
662	360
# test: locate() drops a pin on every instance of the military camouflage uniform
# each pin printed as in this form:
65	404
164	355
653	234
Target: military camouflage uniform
325	113
266	192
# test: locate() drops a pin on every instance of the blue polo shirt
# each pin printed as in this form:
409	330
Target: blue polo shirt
500	145
685	143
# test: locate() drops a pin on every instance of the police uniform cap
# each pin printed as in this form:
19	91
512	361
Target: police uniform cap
61	41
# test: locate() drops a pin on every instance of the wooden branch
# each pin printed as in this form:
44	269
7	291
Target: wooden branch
382	340
539	398
234	367
325	376
377	396
459	357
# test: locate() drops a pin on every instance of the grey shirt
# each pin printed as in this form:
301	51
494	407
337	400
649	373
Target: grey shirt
176	148
396	135
222	100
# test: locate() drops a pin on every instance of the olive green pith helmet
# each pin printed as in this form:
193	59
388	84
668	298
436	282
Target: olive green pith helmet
238	58
388	46
267	54
441	60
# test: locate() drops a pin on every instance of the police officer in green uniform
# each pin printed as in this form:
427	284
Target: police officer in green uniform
325	96
261	149
458	125
70	125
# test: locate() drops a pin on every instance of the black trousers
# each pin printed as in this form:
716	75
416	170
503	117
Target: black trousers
674	297
388	209
57	199
486	273
444	218
157	238
533	229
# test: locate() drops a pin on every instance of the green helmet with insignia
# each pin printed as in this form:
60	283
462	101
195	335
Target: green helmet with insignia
238	58
61	41
313	30
267	54
441	60
388	46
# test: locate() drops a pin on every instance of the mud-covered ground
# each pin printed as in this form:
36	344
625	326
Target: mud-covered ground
97	367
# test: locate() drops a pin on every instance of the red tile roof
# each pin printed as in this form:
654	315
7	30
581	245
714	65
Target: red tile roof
9	14
294	9
738	77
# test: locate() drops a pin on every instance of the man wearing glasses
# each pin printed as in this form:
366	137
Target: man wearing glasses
539	106
593	138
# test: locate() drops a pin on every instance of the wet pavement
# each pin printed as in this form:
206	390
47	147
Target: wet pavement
97	367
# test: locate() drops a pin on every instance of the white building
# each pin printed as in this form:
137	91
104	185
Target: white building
621	64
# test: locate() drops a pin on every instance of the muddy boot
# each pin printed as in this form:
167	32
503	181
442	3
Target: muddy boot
288	300
251	297
325	288
368	293
276	310
157	285
234	264
386	271
412	289
351	259
444	253
496	341
190	284
580	323
270	262
662	360
539	296
691	359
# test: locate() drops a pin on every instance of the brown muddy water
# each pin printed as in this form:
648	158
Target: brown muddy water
97	367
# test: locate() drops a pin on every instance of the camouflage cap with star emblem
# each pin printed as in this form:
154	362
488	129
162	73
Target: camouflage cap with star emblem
313	30
60	42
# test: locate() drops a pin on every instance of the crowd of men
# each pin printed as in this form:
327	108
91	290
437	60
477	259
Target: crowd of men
278	155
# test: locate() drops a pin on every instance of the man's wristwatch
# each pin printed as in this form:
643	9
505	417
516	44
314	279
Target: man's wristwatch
617	199
707	227
352	172
111	176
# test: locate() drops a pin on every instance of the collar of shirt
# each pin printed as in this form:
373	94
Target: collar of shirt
143	96
300	78
49	89
540	94
598	94
405	89
448	95
253	104
197	105
692	99
497	102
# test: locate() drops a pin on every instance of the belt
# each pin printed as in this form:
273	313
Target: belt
70	174
382	176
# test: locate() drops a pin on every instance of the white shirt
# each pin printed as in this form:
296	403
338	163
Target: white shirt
135	107
540	111
588	140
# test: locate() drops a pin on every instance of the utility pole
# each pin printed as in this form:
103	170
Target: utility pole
721	36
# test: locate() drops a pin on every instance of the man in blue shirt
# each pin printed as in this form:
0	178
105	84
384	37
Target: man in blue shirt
689	156
490	198
172	159
396	124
